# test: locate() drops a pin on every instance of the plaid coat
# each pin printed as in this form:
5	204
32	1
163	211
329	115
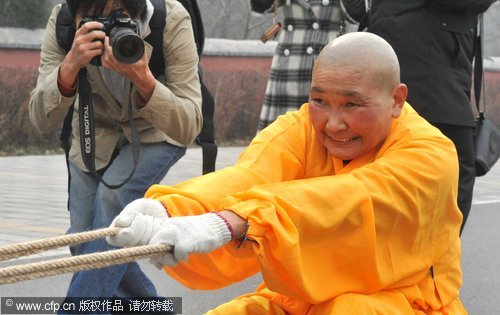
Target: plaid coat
307	27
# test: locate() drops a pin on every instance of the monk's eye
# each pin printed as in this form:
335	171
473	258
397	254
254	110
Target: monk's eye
352	105
318	101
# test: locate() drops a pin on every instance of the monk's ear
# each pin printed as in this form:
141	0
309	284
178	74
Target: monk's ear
399	95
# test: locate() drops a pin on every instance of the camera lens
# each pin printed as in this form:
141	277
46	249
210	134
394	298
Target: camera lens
128	48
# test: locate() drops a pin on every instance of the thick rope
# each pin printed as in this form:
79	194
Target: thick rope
79	263
53	267
33	247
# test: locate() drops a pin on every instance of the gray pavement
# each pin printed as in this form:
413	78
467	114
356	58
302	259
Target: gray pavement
33	206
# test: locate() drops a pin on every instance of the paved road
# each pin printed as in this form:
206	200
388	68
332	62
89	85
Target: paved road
33	206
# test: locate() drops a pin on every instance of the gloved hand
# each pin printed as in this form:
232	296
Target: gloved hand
137	229
191	234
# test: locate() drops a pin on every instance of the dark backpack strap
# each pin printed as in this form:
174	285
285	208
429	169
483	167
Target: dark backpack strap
65	28
65	133
65	34
155	38
206	137
199	33
65	141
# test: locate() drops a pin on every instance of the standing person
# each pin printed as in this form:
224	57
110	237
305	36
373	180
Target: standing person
166	115
434	41
347	206
307	27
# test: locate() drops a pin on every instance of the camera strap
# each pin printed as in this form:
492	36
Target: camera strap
87	131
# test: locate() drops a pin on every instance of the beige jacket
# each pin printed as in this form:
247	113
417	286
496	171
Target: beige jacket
173	113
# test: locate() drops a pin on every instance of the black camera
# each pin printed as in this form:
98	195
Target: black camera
122	31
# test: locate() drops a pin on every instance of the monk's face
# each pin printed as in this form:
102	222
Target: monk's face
350	111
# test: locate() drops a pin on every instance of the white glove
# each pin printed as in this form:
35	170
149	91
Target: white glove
191	234
136	228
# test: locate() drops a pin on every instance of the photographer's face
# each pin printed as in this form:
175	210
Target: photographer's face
110	6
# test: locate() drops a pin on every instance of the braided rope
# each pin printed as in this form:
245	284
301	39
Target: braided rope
53	267
33	247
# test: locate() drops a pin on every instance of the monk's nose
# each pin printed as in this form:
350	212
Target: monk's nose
335	122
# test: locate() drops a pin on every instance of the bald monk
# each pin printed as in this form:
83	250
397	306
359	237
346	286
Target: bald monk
347	206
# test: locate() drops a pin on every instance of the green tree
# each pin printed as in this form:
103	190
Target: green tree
25	13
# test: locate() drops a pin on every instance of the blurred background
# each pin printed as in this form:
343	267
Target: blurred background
221	18
234	60
228	19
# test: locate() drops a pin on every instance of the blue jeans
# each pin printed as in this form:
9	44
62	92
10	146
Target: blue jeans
93	206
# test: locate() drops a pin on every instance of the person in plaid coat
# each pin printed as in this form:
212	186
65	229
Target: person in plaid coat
307	27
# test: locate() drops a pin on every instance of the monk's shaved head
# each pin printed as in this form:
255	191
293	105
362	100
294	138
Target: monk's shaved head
355	94
365	53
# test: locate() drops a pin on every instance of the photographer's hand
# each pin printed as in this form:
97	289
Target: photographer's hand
86	45
138	73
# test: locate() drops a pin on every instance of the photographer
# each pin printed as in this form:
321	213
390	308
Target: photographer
164	113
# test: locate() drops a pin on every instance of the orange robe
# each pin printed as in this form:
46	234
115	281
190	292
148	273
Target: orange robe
380	233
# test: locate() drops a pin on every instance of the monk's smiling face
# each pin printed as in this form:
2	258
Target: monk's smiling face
353	101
